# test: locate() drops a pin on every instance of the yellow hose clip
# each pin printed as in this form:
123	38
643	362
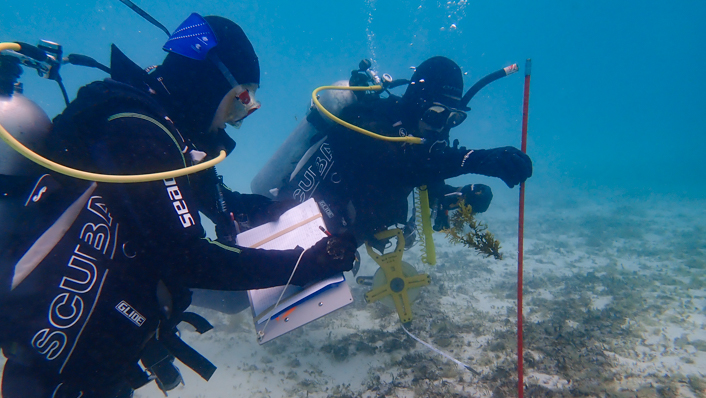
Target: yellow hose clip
423	218
84	175
314	97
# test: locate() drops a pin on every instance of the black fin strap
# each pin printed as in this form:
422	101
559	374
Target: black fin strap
197	321
135	377
188	356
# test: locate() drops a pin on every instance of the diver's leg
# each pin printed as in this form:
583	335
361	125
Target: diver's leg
19	381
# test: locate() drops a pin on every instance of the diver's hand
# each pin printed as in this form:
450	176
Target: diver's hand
328	257
478	196
507	163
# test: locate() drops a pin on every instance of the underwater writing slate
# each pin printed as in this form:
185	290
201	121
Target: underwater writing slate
299	226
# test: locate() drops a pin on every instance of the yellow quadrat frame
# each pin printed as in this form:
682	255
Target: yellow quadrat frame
397	283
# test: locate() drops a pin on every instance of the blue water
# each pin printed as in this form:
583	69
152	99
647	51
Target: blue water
617	89
617	93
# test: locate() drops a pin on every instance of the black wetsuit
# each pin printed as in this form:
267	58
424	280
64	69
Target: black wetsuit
103	266
363	183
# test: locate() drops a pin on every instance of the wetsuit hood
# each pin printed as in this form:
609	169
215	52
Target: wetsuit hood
195	88
437	79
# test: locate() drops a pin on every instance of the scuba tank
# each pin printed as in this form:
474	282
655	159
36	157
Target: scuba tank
24	119
308	137
301	143
30	124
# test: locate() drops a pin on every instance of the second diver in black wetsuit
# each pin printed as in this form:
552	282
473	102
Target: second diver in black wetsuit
364	182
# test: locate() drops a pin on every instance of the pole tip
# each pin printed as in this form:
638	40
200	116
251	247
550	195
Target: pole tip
528	66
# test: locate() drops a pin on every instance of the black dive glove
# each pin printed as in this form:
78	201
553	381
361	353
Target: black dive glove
478	196
328	257
507	163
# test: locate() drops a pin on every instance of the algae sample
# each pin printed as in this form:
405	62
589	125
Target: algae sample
468	231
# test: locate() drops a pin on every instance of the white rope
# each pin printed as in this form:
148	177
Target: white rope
261	334
438	351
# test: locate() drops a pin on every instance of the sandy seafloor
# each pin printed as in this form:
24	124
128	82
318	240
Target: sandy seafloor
615	306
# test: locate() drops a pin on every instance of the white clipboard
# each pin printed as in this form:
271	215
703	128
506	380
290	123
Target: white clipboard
299	226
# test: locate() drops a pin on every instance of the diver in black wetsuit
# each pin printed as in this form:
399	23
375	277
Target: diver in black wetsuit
365	182
97	275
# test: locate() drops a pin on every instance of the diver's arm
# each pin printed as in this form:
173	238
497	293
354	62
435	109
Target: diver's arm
165	216
507	163
211	265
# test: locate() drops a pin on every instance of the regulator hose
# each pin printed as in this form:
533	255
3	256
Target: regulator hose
508	70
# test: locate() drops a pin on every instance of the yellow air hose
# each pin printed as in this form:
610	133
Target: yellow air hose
84	175
410	140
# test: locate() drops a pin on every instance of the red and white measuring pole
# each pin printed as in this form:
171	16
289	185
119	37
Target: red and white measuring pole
520	236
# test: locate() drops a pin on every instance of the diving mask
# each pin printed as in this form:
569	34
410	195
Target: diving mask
235	106
439	116
245	105
247	99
